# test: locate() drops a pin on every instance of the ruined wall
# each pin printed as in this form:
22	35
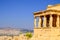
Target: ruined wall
19	37
46	34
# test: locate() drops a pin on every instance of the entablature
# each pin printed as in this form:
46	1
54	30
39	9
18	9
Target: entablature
47	12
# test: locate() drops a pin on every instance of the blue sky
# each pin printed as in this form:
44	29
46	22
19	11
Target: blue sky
19	13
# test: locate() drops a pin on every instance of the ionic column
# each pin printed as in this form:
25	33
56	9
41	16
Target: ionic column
39	23
50	22
57	23
44	22
34	22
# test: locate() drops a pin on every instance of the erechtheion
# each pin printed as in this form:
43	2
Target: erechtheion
47	23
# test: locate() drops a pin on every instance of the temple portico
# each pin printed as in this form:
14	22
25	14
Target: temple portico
47	23
50	20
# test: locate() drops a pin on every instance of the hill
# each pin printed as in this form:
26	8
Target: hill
13	31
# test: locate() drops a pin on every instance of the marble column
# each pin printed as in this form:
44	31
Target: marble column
44	22
39	23
59	19
34	22
50	21
57	22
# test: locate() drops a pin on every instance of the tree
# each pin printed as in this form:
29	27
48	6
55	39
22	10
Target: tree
28	35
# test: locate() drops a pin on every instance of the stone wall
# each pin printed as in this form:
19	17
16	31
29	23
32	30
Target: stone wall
46	34
19	37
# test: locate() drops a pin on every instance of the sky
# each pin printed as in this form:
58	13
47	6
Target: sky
19	13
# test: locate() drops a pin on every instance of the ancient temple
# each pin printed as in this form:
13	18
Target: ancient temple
48	18
47	23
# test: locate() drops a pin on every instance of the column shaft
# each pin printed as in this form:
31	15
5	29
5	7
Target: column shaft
34	22
44	22
39	23
50	22
57	23
59	20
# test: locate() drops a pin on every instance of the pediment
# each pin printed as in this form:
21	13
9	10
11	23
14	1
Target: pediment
54	7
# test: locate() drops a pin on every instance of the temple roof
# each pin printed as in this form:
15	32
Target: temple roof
50	8
54	7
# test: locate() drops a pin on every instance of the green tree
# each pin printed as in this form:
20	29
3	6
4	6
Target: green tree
28	35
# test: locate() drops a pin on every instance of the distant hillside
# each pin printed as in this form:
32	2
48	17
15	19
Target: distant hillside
13	31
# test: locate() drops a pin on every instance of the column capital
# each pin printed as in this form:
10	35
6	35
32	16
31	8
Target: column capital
51	15
34	17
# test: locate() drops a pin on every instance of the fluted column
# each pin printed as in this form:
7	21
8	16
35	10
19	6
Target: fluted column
39	23
44	22
34	22
57	23
50	22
